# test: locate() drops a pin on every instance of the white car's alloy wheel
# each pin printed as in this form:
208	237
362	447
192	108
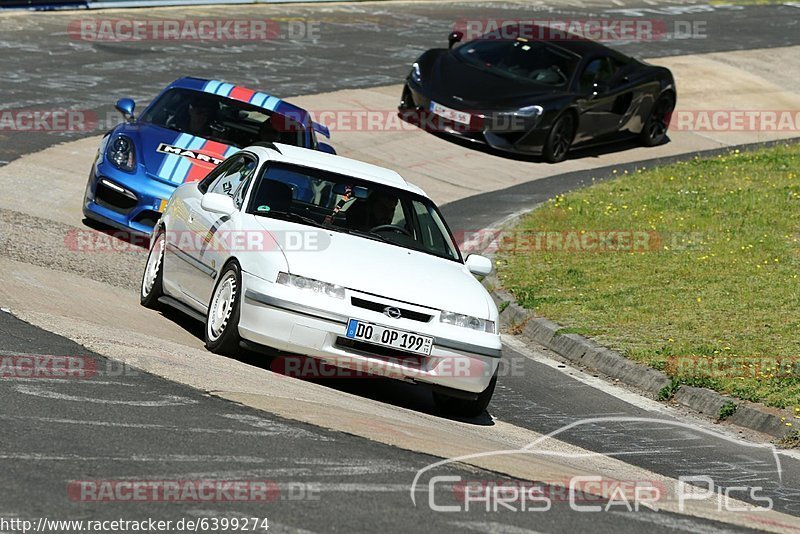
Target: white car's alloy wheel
222	304
153	265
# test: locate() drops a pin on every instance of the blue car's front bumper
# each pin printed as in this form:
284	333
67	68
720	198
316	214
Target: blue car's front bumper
127	201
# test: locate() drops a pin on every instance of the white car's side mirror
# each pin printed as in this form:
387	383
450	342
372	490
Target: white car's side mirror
218	203
480	265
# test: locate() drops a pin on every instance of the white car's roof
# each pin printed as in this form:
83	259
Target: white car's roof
337	164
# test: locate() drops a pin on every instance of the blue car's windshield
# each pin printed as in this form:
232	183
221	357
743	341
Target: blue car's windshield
222	119
521	59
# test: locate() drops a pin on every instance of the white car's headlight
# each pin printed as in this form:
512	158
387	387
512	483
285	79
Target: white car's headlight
467	321
309	284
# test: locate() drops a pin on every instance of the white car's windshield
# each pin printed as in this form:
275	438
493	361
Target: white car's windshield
343	203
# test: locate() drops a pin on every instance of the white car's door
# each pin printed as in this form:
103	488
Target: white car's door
183	234
220	234
177	267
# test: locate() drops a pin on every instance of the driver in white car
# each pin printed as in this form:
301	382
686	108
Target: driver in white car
378	209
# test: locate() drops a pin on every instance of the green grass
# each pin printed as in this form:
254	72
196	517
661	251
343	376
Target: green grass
717	278
727	410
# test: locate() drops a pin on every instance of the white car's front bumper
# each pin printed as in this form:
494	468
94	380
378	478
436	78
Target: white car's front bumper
286	319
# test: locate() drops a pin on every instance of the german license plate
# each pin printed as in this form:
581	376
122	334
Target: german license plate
450	113
389	337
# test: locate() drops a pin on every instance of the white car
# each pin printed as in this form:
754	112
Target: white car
326	257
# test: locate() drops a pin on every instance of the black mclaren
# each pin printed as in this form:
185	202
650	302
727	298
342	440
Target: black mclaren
537	97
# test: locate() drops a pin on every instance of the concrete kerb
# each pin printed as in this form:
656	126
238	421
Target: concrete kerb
586	353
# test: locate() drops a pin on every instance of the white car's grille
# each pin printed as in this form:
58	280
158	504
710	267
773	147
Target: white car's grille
381	308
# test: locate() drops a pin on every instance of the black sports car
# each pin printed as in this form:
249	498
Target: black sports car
537	97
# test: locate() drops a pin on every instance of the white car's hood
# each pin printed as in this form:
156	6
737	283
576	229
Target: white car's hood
382	269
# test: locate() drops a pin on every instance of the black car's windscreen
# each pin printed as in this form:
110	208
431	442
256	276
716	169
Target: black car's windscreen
524	60
346	204
221	119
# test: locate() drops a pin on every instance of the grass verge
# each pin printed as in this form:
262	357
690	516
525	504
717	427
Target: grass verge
690	268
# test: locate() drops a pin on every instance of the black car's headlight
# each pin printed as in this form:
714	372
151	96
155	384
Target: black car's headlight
518	119
529	111
121	153
416	75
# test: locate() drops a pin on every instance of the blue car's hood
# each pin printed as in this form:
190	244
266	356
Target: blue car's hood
172	156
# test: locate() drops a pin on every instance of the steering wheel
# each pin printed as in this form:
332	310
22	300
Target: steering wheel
391	228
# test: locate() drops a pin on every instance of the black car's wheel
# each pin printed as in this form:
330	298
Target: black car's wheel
463	407
152	279
655	129
559	139
222	320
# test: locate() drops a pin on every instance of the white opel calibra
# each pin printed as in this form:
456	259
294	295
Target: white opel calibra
323	256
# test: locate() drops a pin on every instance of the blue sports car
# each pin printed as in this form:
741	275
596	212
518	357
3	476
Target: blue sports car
185	132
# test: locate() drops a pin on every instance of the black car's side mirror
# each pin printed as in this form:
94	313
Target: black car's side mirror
454	37
126	107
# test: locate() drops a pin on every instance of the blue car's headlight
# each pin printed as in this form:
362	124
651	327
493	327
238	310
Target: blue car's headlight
416	75
121	153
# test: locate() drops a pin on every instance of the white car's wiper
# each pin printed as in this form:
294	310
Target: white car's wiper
369	235
289	216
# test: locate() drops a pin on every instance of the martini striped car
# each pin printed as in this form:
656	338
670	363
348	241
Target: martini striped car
187	130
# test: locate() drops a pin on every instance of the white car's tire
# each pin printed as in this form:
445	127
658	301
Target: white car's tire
222	319
464	407
153	277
